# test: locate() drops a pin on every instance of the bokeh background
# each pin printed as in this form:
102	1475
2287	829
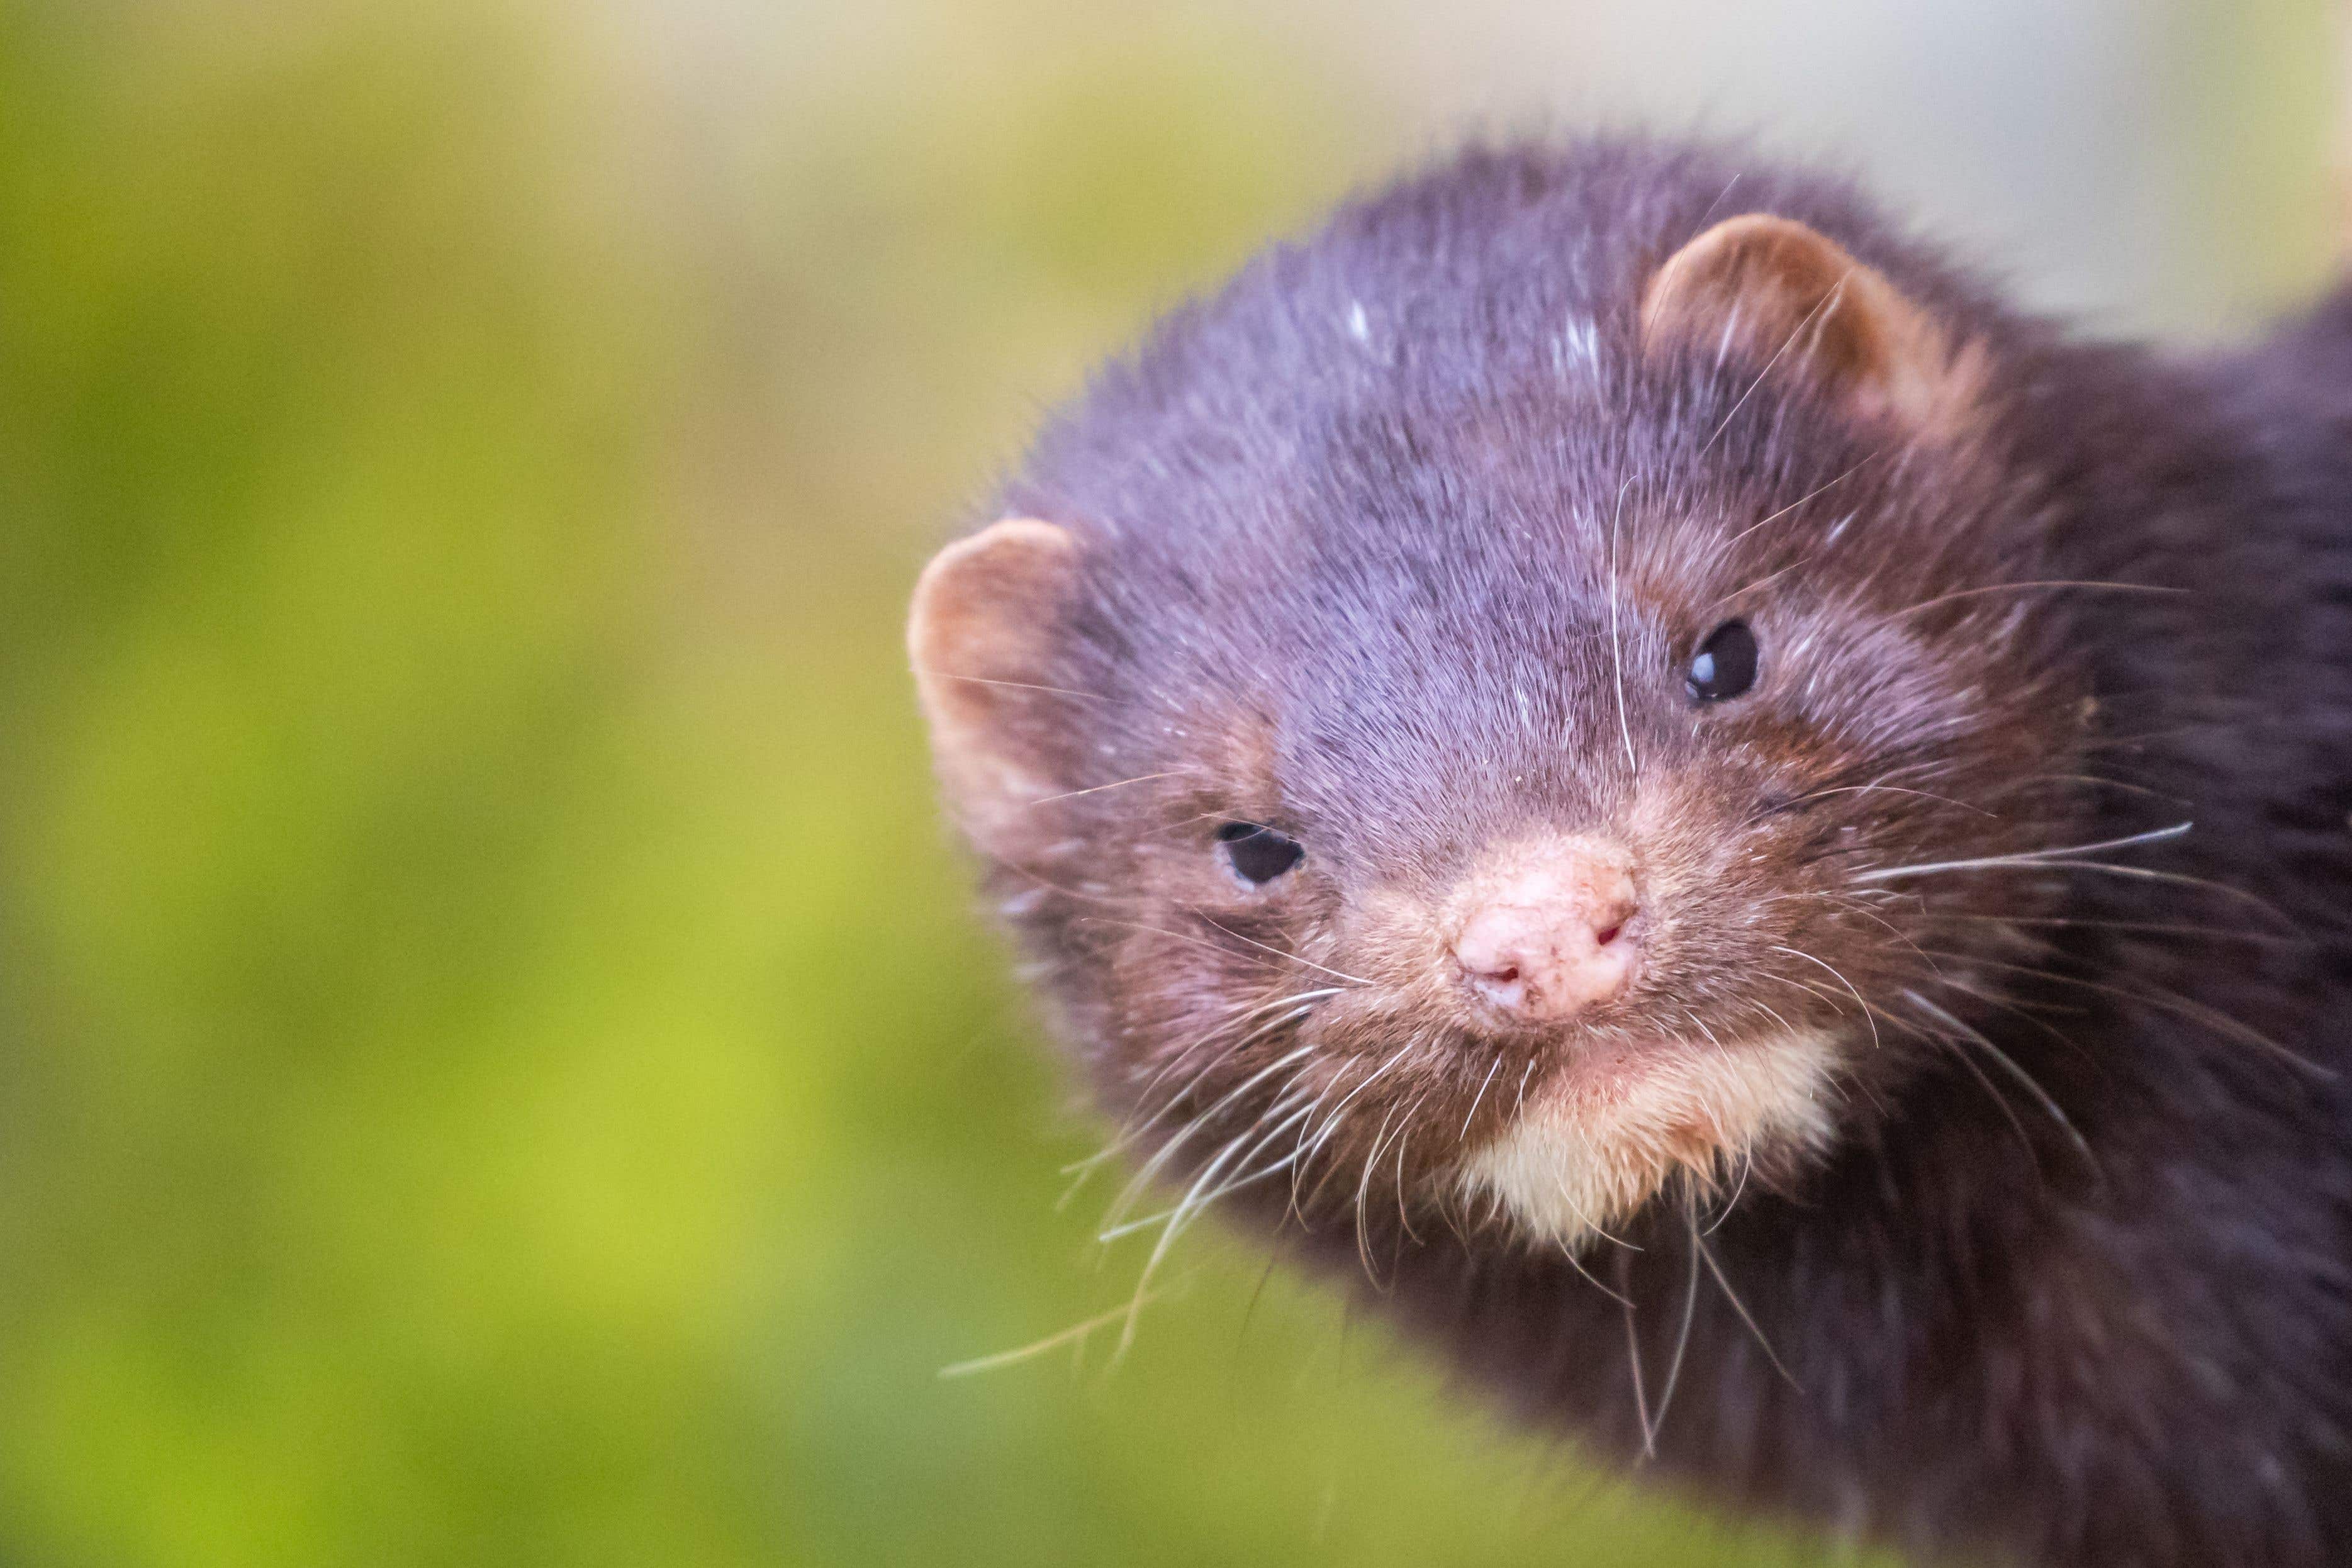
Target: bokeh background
497	1064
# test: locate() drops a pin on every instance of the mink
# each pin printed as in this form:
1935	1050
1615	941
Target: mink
1750	840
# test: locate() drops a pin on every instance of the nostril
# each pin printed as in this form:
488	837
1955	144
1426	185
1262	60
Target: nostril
1604	937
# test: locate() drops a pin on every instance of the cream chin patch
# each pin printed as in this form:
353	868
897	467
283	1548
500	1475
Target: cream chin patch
1597	1143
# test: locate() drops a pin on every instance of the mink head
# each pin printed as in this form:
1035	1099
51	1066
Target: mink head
1470	706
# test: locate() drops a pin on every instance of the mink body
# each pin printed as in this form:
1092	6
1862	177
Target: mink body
1369	542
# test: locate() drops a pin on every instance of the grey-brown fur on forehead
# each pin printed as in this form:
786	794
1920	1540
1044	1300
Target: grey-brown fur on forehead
1506	268
1381	489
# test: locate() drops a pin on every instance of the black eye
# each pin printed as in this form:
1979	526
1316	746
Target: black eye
1258	854
1725	665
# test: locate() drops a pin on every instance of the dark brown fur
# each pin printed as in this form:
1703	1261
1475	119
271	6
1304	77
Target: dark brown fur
1368	543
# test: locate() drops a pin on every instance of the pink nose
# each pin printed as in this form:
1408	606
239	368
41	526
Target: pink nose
1551	940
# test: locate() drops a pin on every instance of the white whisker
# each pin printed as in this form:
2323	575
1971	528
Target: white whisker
1363	1190
1842	980
1160	1156
1285	1125
2004	1059
1213	947
1473	1113
1616	647
1741	1308
1097	789
1013	685
1074	1334
2029	857
1340	975
1185	1210
1405	1137
2014	587
1795	504
1836	292
1681	1338
1135	1130
1641	1401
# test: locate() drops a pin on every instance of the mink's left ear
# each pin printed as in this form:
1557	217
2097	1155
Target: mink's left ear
1791	300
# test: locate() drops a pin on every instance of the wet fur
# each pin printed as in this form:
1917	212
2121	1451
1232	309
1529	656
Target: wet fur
1373	540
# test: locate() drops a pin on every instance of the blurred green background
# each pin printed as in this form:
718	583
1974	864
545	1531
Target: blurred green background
495	1062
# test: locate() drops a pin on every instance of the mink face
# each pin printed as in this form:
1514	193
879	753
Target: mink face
1562	914
1557	712
1514	778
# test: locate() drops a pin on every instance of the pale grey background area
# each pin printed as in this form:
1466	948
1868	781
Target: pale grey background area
2151	164
2109	154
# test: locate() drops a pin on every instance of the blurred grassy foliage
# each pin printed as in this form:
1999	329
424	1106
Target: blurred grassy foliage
498	1065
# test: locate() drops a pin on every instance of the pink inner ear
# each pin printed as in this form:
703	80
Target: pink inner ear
979	635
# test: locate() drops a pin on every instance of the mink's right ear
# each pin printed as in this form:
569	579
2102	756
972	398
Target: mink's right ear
980	636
